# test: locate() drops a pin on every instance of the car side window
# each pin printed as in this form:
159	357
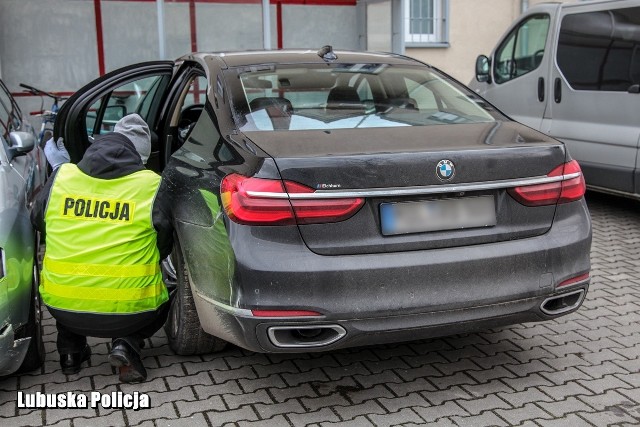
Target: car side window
197	92
523	49
423	97
184	110
133	97
364	90
190	106
600	50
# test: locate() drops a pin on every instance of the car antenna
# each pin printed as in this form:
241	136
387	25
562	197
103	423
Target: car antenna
327	53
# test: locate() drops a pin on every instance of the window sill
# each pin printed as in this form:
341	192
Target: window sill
436	45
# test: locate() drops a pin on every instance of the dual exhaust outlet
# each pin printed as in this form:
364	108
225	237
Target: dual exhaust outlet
562	303
305	336
322	335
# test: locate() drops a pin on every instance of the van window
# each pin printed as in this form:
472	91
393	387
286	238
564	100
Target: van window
522	50
600	50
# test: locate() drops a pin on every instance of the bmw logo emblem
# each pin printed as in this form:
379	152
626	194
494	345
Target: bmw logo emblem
445	170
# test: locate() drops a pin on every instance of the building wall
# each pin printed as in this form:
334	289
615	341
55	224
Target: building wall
316	26
52	44
474	28
48	43
379	26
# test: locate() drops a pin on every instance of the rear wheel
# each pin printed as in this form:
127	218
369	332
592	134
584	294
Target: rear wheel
183	329
35	354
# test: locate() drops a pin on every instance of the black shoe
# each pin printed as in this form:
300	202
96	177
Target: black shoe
128	362
71	363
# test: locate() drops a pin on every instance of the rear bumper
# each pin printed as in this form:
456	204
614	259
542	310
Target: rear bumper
393	297
254	333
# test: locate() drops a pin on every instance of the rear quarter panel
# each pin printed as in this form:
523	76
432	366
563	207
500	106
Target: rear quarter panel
17	241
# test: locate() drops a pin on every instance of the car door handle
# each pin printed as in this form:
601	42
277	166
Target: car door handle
634	88
557	90
541	89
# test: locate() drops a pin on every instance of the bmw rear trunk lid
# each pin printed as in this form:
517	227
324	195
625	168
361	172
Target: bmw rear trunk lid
423	187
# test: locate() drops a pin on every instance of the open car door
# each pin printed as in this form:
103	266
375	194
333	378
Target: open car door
94	109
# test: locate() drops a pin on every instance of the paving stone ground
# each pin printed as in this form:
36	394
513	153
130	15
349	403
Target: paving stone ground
582	369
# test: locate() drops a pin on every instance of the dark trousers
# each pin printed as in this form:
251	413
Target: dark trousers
71	342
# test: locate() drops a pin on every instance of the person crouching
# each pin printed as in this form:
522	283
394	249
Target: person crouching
107	224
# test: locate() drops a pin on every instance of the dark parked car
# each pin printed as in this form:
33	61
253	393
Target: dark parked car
23	171
332	199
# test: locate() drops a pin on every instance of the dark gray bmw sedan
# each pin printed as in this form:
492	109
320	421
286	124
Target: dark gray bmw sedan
332	199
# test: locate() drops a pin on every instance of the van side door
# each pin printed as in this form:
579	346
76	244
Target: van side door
595	108
519	69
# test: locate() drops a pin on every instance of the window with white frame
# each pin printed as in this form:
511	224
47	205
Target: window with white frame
425	22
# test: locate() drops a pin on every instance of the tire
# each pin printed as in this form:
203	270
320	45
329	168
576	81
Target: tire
184	332
35	354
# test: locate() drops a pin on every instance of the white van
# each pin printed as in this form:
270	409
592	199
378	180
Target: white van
573	71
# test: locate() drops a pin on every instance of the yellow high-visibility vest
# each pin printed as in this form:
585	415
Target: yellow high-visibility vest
101	254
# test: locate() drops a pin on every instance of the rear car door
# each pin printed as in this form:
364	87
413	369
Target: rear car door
520	67
94	109
596	101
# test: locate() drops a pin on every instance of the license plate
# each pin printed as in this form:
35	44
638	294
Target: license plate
436	215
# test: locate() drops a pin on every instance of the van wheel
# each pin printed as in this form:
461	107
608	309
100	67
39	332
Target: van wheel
184	332
35	354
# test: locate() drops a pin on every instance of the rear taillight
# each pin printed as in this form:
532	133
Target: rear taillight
259	201
569	189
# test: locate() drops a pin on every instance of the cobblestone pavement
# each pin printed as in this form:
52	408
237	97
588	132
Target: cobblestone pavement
582	369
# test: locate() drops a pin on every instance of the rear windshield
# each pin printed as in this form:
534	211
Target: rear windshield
346	96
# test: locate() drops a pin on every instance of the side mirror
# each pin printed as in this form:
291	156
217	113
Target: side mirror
21	143
483	68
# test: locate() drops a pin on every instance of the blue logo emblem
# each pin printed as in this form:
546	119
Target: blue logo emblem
445	170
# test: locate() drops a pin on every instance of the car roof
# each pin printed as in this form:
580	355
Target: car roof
308	56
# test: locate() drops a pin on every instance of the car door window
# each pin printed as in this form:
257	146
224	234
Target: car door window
188	108
522	51
423	97
600	50
133	97
196	92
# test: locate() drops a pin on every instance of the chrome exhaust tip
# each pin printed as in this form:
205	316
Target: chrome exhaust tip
305	336
562	303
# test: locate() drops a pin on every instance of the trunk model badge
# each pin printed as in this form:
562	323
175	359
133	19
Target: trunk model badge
445	170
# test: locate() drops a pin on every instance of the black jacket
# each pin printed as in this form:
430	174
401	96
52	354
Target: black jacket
114	156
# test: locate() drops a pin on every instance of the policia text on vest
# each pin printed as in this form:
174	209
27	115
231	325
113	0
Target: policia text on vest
91	208
117	269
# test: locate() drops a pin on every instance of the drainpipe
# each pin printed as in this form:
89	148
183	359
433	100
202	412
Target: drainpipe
524	5
162	51
266	25
397	26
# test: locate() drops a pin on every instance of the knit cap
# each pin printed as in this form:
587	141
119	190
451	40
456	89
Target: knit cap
137	131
